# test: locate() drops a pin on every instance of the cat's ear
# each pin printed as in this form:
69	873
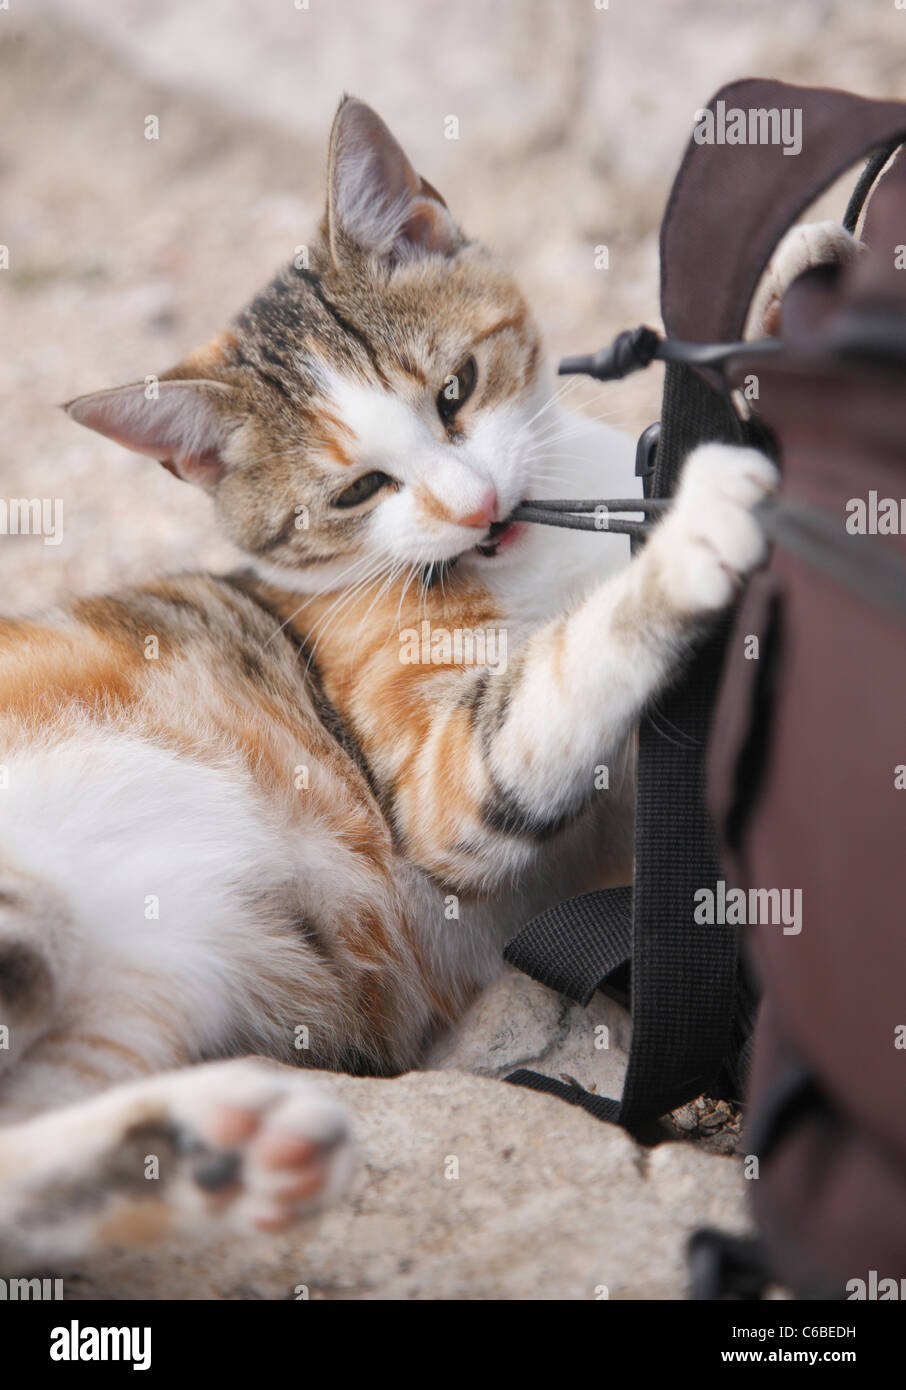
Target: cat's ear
182	424
376	202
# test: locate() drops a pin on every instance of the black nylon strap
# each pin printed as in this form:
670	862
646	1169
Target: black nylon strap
575	946
600	1106
685	976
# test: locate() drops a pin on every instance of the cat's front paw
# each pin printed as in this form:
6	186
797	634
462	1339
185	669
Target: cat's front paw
711	538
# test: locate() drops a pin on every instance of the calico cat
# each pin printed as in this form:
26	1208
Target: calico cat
269	812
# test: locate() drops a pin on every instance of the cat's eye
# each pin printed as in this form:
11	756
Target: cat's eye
456	390
362	489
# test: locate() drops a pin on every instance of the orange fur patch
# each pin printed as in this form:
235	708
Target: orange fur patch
45	669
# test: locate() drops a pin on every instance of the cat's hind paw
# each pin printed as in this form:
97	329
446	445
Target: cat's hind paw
253	1145
235	1147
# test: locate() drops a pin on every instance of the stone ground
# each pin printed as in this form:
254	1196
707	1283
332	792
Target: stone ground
124	253
546	1203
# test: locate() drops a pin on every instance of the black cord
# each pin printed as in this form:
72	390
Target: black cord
634	348
613	504
867	180
592	515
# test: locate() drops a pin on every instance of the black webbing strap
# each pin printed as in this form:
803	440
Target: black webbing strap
577	945
600	1106
684	975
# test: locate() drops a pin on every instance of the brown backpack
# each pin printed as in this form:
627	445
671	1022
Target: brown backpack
807	776
806	754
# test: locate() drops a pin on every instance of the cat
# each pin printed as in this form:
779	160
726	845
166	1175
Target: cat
243	814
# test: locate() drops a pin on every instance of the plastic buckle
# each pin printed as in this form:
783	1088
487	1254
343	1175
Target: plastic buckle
645	455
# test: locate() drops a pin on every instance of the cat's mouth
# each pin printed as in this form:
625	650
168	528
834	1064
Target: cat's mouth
501	535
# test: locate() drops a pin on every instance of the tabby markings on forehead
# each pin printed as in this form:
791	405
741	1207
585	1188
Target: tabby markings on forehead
311	363
514	321
350	329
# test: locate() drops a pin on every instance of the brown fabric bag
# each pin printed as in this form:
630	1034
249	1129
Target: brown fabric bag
809	735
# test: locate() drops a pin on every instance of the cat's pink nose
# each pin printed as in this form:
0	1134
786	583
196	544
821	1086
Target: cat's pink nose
484	514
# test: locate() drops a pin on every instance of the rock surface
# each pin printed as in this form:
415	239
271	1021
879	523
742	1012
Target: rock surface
519	1023
469	1189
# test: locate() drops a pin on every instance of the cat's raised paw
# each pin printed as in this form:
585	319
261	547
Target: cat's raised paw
712	539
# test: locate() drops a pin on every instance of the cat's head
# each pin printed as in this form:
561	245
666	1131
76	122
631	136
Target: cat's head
370	411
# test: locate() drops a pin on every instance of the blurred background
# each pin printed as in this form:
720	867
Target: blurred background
125	252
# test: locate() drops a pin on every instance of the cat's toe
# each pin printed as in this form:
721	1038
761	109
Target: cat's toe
264	1146
715	538
716	473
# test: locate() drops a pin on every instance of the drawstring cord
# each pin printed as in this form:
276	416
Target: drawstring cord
860	336
593	515
632	351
